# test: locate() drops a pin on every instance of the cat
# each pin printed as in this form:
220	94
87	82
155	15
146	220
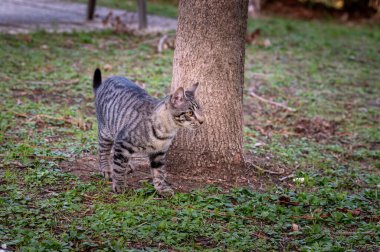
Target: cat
132	122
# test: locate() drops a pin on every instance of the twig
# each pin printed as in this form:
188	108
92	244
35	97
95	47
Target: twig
51	117
141	224
42	116
287	177
260	75
272	102
352	233
221	213
158	198
75	122
264	170
88	196
63	82
160	46
45	157
229	215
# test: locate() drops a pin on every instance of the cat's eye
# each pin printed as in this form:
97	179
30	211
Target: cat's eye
190	113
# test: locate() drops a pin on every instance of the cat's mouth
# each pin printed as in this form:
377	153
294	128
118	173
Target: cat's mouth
194	126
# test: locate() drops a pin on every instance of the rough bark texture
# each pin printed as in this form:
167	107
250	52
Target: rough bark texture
210	50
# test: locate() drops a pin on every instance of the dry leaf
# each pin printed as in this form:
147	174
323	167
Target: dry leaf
305	217
107	67
260	235
283	200
251	38
355	212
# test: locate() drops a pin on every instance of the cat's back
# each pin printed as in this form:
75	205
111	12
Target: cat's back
119	89
117	84
118	97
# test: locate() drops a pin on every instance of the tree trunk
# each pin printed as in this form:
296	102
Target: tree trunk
210	50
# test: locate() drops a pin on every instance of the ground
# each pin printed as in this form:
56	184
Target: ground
313	179
23	16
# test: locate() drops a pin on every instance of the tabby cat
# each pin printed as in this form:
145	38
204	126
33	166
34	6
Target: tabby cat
132	122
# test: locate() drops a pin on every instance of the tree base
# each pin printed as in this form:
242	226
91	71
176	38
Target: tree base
207	166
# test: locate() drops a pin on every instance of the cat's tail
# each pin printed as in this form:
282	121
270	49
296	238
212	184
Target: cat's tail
97	81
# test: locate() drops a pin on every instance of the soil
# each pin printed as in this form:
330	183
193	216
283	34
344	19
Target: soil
259	172
24	16
317	128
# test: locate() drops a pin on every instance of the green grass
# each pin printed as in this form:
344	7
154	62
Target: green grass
320	68
164	8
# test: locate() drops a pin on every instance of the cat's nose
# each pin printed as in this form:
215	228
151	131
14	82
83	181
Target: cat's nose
201	119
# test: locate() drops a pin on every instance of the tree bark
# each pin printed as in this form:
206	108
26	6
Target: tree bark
141	10
210	49
91	9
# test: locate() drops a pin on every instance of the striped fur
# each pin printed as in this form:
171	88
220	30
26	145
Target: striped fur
132	122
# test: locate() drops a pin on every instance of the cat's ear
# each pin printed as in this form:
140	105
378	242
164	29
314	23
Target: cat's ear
193	88
178	97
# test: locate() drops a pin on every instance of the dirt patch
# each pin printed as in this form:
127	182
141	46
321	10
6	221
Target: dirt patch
84	168
41	95
317	128
259	174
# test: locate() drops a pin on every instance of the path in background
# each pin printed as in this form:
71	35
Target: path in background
23	16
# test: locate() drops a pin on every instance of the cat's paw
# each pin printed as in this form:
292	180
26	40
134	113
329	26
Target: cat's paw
165	192
107	175
118	188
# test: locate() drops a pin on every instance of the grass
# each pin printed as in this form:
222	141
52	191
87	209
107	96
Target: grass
166	8
324	70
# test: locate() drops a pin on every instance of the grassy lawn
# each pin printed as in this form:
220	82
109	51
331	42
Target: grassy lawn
166	8
331	144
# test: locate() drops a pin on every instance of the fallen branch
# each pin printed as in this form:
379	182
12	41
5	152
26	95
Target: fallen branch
63	82
272	102
160	46
250	164
287	177
355	233
46	157
260	75
76	122
223	214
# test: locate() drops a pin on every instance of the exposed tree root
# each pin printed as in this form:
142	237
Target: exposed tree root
251	164
271	102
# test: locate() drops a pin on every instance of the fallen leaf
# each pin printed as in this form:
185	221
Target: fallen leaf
305	217
325	215
253	36
355	212
283	200
107	67
260	235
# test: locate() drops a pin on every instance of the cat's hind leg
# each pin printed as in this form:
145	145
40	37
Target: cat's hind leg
120	166
157	165
105	146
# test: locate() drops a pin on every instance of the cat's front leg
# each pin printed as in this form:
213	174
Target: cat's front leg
157	165
120	168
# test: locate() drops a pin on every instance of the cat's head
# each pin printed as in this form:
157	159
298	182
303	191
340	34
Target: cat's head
185	109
